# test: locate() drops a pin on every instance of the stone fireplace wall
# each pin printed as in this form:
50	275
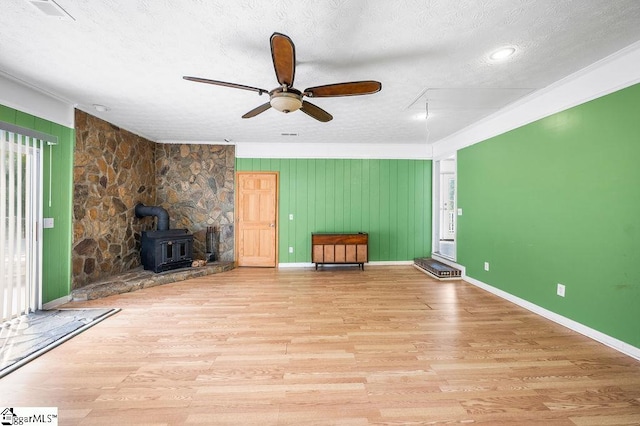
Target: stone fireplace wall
195	183
113	170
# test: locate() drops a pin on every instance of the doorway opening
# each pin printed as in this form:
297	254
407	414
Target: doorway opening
257	219
445	210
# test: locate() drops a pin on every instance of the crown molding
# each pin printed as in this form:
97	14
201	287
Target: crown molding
27	98
610	74
391	151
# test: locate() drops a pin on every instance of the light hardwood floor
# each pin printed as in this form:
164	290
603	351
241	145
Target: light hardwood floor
387	345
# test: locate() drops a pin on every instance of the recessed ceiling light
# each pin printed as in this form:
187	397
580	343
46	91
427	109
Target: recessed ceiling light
100	108
502	53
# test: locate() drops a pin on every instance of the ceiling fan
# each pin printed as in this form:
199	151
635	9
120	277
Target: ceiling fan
286	98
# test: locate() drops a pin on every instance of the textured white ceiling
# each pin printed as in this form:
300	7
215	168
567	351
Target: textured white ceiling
130	55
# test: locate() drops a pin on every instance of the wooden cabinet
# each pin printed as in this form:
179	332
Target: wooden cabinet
340	248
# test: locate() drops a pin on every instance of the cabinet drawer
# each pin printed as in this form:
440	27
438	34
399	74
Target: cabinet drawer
362	253
350	254
329	254
318	254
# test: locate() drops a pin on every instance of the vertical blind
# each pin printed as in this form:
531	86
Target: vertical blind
21	216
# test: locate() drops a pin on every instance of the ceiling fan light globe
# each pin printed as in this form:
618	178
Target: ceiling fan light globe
286	102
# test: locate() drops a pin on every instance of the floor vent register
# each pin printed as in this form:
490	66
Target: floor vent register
437	269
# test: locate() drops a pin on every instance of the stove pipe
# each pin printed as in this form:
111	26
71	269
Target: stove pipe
163	216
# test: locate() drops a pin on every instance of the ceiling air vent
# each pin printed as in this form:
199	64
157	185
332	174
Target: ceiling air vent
51	8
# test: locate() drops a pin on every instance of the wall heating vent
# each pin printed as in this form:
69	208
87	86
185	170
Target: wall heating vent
437	269
51	8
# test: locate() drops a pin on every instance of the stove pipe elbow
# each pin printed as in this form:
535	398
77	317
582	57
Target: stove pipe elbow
163	216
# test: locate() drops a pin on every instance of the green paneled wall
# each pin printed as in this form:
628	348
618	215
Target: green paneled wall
56	262
389	199
558	201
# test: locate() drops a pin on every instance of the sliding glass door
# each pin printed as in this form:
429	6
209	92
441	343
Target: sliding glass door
21	224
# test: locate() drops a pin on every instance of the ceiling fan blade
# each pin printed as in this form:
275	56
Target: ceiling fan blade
283	53
315	111
353	88
224	83
262	108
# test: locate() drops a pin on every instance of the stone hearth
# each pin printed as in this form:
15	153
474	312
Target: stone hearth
138	278
114	170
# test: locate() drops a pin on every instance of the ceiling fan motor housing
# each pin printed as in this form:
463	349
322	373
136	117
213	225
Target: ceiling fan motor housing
286	99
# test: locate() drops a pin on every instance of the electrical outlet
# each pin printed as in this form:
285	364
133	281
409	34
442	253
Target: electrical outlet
290	216
460	212
560	290
486	266
290	249
47	222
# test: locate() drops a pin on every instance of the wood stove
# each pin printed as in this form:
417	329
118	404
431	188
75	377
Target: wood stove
166	250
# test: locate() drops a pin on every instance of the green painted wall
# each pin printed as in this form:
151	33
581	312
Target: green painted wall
389	199
558	201
56	262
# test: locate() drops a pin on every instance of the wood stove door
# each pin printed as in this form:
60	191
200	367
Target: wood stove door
257	219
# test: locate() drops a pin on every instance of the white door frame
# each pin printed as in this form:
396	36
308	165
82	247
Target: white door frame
436	207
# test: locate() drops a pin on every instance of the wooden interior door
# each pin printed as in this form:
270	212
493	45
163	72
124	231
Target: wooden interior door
257	224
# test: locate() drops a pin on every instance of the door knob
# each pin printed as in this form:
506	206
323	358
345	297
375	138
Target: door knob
272	225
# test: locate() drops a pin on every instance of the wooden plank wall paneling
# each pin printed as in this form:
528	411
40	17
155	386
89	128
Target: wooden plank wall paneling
56	253
389	199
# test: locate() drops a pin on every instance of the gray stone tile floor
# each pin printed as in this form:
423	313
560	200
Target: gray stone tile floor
29	335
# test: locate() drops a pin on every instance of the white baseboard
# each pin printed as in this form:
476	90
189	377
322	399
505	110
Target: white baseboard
390	263
57	302
605	339
296	265
376	263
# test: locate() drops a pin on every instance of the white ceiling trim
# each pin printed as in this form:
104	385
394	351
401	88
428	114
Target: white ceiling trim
15	94
395	151
352	150
613	73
